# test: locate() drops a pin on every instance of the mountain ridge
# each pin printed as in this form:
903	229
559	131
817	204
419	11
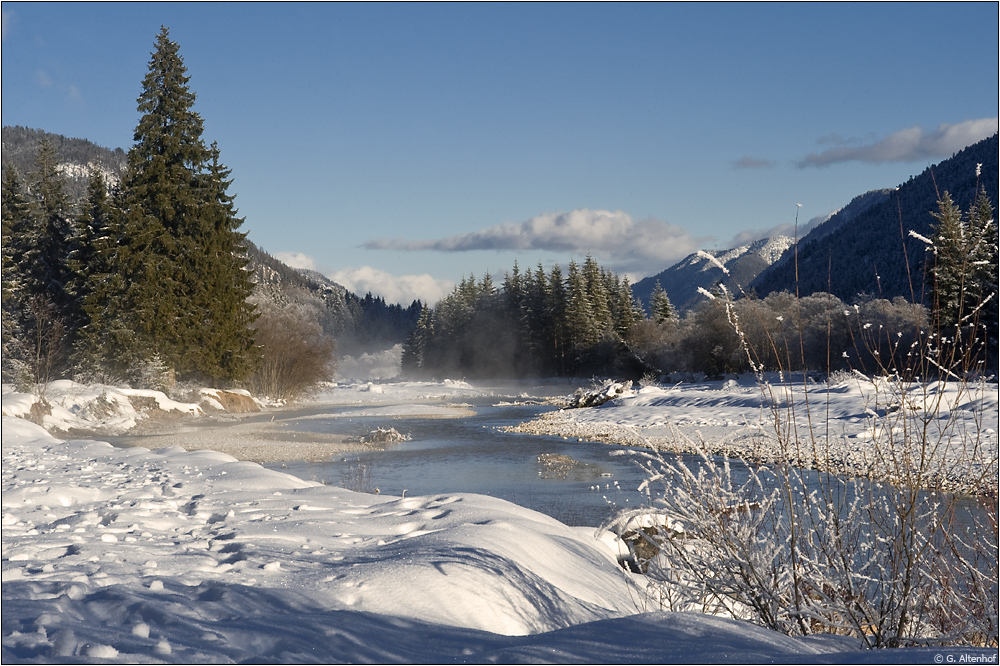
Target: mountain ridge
76	157
357	323
871	253
684	280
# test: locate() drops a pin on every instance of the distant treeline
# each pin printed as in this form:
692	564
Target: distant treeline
817	333
587	323
537	323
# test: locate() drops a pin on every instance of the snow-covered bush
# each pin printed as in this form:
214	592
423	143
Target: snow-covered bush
803	546
802	551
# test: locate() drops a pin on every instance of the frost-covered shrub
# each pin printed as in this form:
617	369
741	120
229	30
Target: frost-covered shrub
152	373
295	354
803	551
817	333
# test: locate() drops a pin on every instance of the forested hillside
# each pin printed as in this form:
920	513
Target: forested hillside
131	267
873	253
76	158
357	323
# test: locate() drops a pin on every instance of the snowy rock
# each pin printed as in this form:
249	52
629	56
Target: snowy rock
384	436
598	396
233	401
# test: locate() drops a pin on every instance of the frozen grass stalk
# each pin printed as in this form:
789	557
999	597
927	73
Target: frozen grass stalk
895	544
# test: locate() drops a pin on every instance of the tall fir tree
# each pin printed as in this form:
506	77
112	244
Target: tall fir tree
181	257
660	305
226	314
161	205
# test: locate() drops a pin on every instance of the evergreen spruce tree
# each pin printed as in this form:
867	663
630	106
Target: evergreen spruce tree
106	348
486	288
985	244
162	209
660	304
90	249
514	290
952	264
598	298
555	305
224	316
582	331
414	350
43	238
628	312
181	259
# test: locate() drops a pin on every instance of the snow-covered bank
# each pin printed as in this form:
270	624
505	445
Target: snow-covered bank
139	555
848	420
215	421
131	555
67	406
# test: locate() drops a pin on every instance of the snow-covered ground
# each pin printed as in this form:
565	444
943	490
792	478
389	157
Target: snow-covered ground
166	555
67	406
838	426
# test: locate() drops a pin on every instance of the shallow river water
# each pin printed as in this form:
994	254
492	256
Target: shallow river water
468	454
577	482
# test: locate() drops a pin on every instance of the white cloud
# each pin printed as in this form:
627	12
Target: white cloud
403	289
613	237
908	145
296	260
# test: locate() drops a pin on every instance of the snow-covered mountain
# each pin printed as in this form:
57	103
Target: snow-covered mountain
703	269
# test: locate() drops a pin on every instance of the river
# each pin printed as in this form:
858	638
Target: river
578	483
454	445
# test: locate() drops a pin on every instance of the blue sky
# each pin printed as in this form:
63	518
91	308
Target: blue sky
400	147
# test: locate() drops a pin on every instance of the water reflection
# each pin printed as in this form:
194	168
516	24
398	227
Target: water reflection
578	483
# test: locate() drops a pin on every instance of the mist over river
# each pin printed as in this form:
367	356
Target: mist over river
576	482
458	439
453	445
